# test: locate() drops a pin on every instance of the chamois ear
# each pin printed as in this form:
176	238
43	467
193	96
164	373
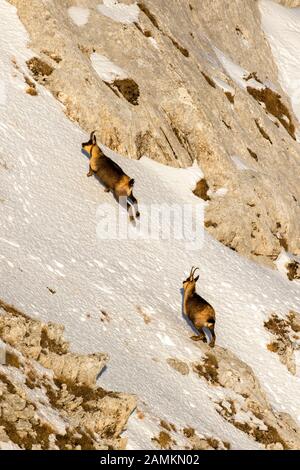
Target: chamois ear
196	279
131	182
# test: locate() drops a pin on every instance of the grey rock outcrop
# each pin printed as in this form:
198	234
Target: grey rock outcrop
245	404
49	399
285	335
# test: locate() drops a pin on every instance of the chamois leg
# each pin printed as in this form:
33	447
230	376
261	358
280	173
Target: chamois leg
213	341
130	212
106	190
91	172
130	206
122	198
134	202
199	337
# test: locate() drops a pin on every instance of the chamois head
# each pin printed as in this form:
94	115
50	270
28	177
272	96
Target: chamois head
87	146
190	282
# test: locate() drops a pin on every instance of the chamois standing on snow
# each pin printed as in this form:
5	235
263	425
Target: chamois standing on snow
111	175
198	310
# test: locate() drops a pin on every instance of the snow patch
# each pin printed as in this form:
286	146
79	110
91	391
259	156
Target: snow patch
237	73
107	70
119	12
154	43
224	86
240	165
218	193
221	192
282	28
79	15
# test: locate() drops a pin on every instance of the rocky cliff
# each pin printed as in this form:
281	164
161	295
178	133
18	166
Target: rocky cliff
49	399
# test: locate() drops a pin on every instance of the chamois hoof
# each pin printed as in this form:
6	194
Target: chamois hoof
137	215
106	190
197	338
89	174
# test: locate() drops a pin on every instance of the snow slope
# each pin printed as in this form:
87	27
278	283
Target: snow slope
282	28
48	241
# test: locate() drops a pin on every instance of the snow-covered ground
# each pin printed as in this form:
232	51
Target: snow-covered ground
48	241
282	28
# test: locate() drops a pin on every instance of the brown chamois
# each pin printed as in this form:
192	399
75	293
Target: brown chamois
198	310
111	175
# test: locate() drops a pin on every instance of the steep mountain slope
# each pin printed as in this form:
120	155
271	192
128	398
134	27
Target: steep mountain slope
122	296
281	26
179	81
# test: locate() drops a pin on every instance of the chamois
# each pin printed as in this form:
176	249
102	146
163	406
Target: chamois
111	175
198	310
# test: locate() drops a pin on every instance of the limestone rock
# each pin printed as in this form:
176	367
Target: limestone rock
289	3
294	318
75	367
284	332
49	399
293	270
222	368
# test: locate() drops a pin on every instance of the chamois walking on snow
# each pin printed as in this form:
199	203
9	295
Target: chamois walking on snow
198	310
111	175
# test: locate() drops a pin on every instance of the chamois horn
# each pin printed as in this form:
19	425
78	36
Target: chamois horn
92	135
193	270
